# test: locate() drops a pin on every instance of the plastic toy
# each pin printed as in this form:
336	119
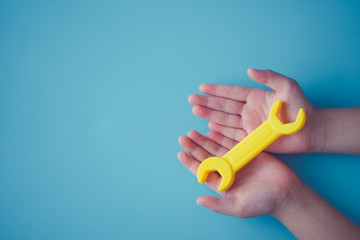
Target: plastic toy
250	147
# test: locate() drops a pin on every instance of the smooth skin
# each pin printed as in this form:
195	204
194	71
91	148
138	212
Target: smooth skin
266	186
259	188
235	111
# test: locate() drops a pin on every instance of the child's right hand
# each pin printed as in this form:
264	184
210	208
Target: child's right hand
263	187
236	111
266	186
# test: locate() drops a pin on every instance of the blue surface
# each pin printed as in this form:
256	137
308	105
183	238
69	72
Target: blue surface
93	96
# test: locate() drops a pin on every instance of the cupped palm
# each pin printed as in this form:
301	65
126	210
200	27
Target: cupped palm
235	111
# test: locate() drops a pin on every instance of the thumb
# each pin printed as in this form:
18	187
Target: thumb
271	79
220	205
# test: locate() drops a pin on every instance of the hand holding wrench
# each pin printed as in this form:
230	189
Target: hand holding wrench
250	147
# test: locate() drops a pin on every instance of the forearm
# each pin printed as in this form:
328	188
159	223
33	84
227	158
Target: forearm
337	130
308	216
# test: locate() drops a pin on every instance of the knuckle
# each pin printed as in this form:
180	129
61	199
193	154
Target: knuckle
239	135
290	85
268	72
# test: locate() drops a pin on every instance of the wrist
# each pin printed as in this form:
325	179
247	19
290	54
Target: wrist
318	130
297	199
308	216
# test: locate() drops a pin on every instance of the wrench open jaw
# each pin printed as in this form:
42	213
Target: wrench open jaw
249	147
220	165
288	128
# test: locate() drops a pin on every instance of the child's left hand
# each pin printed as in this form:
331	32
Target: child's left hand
235	111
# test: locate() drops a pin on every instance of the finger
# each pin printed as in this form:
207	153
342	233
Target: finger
271	79
192	164
207	144
227	91
226	119
221	140
236	134
194	149
225	206
189	162
217	103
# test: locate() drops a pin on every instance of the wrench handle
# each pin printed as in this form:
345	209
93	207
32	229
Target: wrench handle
252	145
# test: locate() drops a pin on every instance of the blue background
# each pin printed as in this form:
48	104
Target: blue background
93	96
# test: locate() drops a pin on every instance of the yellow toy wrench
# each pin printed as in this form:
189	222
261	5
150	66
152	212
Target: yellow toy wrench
250	147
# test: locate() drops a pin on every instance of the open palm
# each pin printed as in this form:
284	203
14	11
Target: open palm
260	188
236	111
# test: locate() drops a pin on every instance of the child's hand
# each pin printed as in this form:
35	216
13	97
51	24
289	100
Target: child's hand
262	187
236	111
266	186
